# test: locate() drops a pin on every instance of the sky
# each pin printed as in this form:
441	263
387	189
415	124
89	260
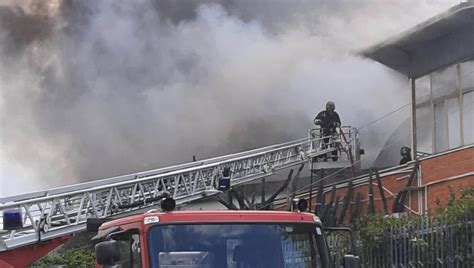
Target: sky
94	89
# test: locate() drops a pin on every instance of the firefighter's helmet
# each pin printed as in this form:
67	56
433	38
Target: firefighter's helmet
405	150
330	106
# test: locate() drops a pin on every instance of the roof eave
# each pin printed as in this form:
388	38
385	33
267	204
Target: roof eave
396	52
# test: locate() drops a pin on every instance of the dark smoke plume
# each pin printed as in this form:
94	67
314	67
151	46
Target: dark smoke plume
92	89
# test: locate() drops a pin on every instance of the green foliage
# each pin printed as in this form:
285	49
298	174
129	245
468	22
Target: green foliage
375	231
339	243
458	208
77	252
372	228
70	258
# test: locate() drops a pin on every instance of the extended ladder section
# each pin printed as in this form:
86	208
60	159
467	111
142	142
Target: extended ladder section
62	211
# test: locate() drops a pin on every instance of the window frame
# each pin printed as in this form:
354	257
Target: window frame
458	94
126	236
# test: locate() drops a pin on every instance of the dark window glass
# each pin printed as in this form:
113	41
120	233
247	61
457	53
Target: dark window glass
237	246
130	251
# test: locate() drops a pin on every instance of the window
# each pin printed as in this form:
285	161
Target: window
454	123
445	82
467	75
424	129
130	250
234	245
423	89
468	117
444	107
440	126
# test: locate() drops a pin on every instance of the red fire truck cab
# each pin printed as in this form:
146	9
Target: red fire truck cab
215	239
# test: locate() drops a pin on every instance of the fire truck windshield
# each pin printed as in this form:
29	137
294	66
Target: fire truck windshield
256	245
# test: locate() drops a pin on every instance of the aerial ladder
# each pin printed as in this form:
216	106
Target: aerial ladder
48	217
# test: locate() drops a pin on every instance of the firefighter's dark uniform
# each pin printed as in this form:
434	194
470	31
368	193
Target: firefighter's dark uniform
328	122
406	156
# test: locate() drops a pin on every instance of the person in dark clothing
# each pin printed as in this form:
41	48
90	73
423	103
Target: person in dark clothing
328	119
406	155
330	122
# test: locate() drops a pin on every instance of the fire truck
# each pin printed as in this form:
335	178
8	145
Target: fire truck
33	224
206	239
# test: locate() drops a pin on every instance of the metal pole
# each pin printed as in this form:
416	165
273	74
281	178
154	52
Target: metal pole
413	119
311	187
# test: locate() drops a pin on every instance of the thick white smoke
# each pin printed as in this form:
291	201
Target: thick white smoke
92	89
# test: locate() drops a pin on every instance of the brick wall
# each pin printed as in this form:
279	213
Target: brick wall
453	170
436	175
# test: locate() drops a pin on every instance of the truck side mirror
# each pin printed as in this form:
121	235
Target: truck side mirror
351	236
107	252
351	261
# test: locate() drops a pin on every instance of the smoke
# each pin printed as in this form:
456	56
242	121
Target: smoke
93	89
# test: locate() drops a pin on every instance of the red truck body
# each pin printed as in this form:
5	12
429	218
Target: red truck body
140	225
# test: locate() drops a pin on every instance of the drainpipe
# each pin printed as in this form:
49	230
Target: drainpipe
413	119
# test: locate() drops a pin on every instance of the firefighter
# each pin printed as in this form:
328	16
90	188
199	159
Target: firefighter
330	123
406	155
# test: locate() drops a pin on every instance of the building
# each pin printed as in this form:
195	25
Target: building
437	57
